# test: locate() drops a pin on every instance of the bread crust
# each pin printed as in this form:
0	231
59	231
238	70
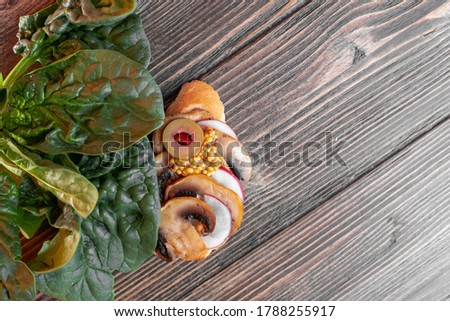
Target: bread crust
197	95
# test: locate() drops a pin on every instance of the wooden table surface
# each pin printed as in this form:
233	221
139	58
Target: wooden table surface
345	109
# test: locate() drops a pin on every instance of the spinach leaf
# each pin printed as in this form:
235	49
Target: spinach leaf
9	202
124	224
89	12
71	25
29	220
35	205
82	278
16	280
127	37
121	232
86	103
68	186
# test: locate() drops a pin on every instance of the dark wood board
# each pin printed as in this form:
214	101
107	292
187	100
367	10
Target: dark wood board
375	75
386	237
302	80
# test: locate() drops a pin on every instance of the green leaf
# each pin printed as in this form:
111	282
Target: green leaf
127	37
87	103
29	221
124	224
35	205
16	280
9	202
31	33
89	12
83	278
6	164
121	232
67	185
61	29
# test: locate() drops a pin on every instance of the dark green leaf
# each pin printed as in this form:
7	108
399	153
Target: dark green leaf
16	280
127	37
89	12
96	166
124	225
9	202
121	232
29	221
31	34
83	278
30	195
35	205
91	102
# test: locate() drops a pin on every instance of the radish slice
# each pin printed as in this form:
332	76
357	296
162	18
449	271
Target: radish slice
223	223
219	125
226	178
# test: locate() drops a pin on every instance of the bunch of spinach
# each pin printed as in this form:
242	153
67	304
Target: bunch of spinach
74	152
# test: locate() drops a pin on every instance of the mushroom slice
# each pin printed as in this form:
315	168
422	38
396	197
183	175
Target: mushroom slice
200	185
236	156
184	221
201	256
195	115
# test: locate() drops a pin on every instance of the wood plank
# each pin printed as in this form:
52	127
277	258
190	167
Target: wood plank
190	38
376	75
387	237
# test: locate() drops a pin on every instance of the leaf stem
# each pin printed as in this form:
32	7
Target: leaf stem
21	68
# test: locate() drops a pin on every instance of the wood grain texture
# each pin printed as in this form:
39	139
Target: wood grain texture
189	38
374	74
387	237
